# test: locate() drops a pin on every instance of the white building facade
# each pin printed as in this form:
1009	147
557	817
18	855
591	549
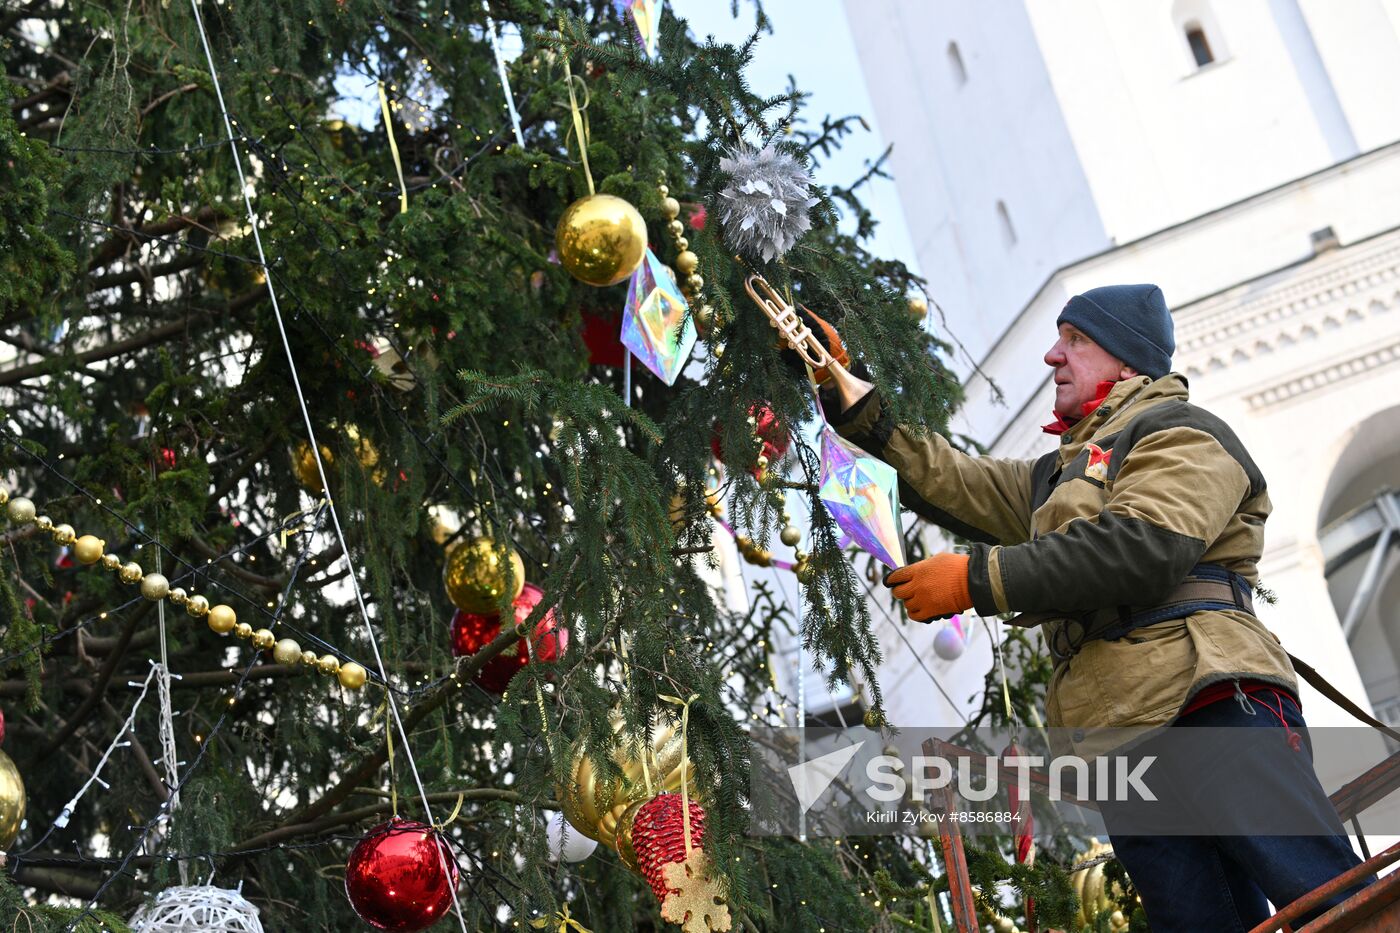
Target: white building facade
1245	156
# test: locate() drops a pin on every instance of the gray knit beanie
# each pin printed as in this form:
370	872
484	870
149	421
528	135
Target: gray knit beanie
1130	321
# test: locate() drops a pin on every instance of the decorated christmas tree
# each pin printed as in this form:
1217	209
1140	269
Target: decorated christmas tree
367	365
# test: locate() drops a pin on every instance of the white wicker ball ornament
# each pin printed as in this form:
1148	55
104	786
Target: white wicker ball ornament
197	907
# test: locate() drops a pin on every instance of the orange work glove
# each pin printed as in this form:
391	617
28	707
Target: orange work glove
933	588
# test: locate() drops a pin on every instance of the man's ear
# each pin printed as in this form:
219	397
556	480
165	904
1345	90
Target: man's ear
1127	372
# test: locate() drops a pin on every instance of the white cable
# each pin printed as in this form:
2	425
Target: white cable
501	70
67	812
316	452
168	752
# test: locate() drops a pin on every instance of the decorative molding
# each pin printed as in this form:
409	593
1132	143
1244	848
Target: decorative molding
1323	377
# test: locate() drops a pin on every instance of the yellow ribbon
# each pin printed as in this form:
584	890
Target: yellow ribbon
685	760
452	817
577	112
393	148
389	744
287	532
564	919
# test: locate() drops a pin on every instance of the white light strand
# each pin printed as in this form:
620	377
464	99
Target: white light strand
316	452
117	743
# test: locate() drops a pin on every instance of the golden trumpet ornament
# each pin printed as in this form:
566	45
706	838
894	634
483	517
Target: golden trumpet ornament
304	462
476	577
11	801
602	808
601	239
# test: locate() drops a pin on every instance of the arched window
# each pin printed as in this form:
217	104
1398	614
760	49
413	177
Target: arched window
955	62
1008	230
1200	45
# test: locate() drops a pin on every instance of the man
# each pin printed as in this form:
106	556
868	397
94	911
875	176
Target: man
1134	547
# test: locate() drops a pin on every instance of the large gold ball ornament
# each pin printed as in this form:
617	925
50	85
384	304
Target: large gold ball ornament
11	801
21	510
601	239
670	207
287	652
130	572
476	577
154	586
918	307
352	676
687	262
88	549
602	808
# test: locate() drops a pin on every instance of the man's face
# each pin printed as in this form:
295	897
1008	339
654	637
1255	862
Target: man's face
1080	365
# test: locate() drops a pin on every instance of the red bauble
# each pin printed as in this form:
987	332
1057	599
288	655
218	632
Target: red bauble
401	876
658	836
772	432
472	631
602	335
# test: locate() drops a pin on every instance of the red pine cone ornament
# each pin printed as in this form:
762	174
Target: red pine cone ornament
772	432
658	837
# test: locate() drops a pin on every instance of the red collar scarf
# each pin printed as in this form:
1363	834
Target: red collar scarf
1060	425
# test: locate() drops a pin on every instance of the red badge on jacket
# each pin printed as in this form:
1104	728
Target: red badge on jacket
1098	463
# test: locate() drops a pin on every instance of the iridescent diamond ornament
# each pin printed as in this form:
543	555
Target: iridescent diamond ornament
646	14
862	494
655	326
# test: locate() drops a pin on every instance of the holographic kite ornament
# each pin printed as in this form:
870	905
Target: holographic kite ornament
655	325
862	494
646	14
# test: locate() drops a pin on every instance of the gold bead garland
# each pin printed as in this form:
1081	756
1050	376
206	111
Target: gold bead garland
687	263
221	618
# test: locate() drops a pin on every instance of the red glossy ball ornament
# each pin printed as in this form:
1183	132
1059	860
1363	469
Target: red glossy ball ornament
772	432
472	631
401	876
658	836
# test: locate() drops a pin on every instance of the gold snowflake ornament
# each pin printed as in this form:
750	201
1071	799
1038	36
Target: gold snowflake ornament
695	901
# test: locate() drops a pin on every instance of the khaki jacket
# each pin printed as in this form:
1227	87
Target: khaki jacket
1139	492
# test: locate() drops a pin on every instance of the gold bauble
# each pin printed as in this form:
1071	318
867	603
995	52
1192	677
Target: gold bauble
263	639
43	523
352	676
790	536
687	262
197	606
155	586
88	549
243	630
64	533
602	809
304	463
308	657
222	619
601	239
873	719
1091	888
4	495
475	575
287	652
21	510
130	572
178	596
670	207
918	307
694	282
328	664
11	801
676	227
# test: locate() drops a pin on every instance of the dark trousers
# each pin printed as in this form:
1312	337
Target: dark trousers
1238	774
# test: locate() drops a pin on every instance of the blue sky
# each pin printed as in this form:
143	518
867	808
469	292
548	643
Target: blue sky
811	42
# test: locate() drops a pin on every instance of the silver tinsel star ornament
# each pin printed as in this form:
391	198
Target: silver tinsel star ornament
764	207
